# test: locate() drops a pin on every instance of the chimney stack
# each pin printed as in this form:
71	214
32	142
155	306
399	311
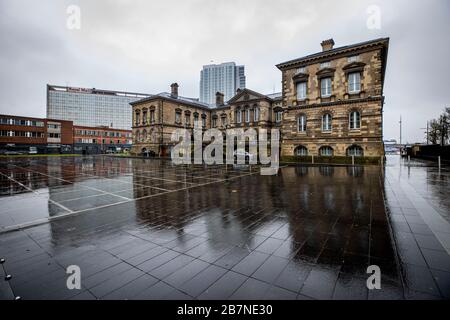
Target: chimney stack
219	99
327	44
174	90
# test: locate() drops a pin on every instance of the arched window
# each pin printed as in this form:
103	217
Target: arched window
137	118
196	124
239	116
144	135
278	115
326	151
178	116
301	151
152	114
326	122
355	120
223	119
355	150
203	120
301	123
138	136
144	116
256	114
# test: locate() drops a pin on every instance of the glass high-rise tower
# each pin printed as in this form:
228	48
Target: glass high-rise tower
91	107
225	78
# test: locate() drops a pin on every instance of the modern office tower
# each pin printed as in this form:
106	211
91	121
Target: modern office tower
225	78
91	107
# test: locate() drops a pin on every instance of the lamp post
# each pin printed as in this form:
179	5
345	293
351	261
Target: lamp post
427	132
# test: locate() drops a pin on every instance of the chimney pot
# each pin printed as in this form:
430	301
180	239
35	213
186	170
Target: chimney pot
174	90
219	99
327	44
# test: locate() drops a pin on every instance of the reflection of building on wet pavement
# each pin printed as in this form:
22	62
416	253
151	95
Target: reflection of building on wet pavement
147	229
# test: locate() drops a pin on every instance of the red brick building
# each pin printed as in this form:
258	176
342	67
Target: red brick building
35	135
26	135
93	140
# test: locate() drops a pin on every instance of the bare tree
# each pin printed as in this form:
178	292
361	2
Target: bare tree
444	124
439	129
433	133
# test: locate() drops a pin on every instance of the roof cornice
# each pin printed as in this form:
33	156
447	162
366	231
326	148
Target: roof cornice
381	42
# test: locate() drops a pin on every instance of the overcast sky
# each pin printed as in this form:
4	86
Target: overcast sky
143	46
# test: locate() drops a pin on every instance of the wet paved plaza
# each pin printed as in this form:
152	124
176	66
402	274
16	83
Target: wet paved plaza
144	229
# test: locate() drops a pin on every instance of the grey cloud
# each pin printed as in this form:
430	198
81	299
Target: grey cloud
145	45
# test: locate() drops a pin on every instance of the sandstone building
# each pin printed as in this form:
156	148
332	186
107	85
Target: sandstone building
331	105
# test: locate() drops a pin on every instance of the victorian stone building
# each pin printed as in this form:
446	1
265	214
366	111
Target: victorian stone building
330	105
333	101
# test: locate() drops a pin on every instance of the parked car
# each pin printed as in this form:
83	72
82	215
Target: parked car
11	152
33	150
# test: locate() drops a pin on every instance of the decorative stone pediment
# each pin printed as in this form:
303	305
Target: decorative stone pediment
300	77
247	95
354	67
325	72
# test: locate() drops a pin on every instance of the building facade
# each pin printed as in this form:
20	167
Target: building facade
225	78
331	105
27	135
333	101
91	107
35	135
156	117
95	140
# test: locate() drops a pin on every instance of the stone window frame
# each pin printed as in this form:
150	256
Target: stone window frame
276	111
247	114
196	117
214	121
301	147
222	117
323	74
349	119
137	117
152	114
138	135
326	147
144	116
301	78
144	135
300	115
323	114
178	115
354	67
187	117
203	116
357	147
238	115
256	111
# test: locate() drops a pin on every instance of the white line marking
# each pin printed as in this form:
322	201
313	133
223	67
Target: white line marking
29	189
